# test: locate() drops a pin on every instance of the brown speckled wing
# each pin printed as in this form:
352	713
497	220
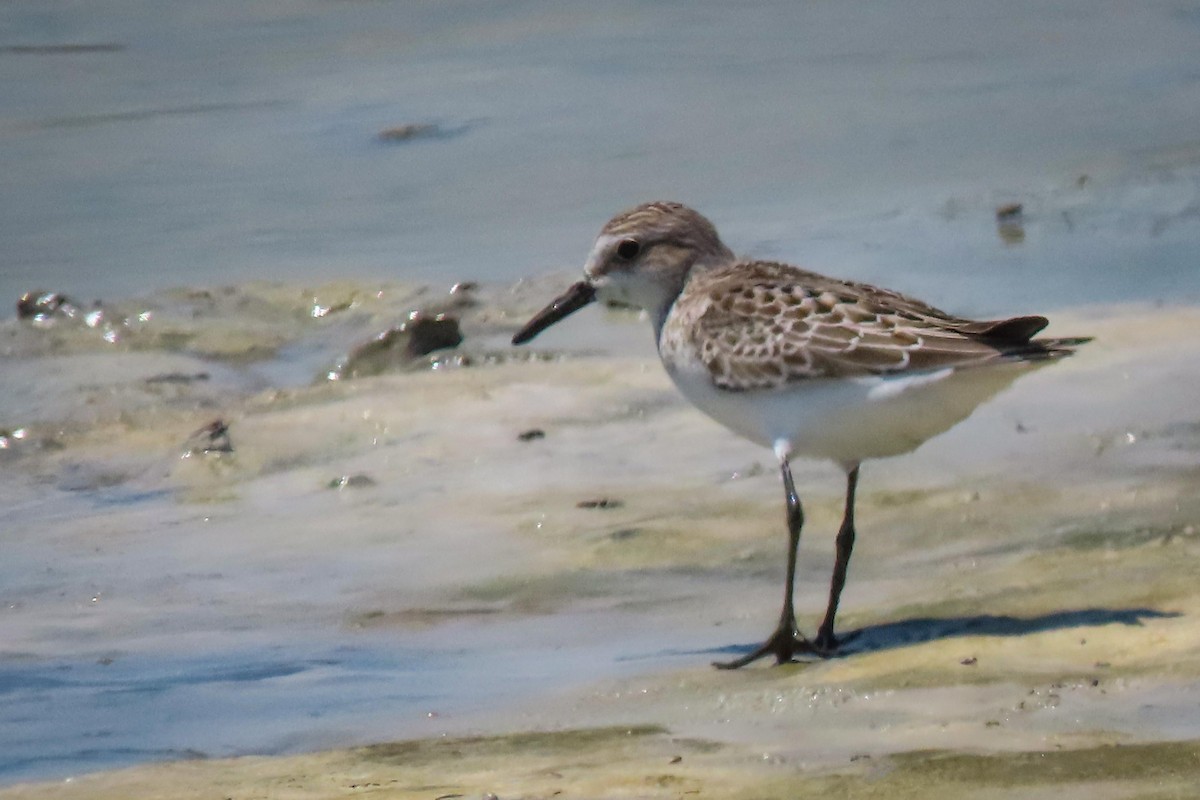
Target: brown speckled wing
758	325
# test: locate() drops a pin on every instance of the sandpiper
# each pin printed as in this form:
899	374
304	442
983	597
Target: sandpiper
801	363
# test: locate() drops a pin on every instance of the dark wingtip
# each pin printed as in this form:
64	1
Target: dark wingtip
1014	329
570	301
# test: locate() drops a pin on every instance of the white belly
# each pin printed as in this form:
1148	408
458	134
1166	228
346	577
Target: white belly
848	420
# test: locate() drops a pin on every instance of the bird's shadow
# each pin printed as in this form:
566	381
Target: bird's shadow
893	635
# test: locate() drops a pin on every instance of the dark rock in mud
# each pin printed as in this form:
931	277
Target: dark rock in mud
401	346
1009	212
41	306
601	502
182	378
531	434
427	334
407	132
356	481
212	438
411	131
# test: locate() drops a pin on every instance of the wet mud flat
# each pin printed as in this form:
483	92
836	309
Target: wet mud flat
1022	609
649	762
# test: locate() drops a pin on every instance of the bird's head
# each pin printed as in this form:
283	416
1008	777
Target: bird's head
641	258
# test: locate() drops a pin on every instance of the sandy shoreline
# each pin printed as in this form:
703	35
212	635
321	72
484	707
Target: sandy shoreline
1024	587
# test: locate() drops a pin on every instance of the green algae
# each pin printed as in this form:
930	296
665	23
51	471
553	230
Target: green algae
536	594
1128	538
1149	770
645	761
1159	761
424	617
579	741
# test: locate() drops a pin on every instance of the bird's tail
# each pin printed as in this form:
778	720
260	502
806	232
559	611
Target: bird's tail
1045	349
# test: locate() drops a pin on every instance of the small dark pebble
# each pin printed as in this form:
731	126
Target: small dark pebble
602	502
178	377
463	296
1009	212
992	723
860	757
531	434
404	133
359	481
212	438
676	759
969	662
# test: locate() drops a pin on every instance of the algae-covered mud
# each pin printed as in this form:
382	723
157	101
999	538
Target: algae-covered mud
516	565
649	762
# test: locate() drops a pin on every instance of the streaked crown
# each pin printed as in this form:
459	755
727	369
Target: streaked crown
643	256
662	220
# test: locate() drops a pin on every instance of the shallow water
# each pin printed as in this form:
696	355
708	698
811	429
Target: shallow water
261	693
157	607
149	145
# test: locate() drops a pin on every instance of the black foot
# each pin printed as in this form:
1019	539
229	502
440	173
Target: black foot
784	643
826	644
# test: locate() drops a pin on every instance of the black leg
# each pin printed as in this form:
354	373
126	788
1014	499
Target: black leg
826	643
786	641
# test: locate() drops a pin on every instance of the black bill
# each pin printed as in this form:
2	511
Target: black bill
570	301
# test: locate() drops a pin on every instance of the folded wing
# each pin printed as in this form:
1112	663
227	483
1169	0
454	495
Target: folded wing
761	325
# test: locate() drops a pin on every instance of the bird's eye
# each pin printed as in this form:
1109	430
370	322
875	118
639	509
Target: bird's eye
628	249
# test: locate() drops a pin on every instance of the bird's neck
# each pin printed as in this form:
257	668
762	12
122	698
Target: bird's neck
659	312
